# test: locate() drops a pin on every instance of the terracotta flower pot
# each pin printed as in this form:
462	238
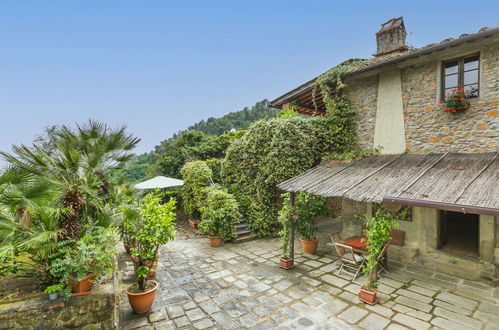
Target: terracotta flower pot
286	263
215	241
153	264
193	223
82	287
369	297
142	302
309	247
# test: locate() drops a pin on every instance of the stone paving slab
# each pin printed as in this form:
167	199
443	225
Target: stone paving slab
241	286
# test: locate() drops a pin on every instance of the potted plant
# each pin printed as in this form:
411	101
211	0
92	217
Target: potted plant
309	207
53	291
286	216
156	228
78	264
377	232
219	215
127	225
457	100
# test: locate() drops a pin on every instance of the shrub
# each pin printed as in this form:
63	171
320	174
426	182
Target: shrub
156	228
309	207
197	176
272	152
93	254
219	214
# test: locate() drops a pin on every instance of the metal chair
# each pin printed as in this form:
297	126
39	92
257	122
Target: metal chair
349	260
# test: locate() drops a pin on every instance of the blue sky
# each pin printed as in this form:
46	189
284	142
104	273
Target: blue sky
159	66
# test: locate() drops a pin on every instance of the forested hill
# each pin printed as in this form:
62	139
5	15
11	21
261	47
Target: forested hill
206	139
239	120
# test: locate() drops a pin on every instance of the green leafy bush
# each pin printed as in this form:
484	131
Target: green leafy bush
93	254
219	214
197	176
309	207
377	233
156	228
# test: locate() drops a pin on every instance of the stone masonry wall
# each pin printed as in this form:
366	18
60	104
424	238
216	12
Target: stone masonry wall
94	311
427	127
363	93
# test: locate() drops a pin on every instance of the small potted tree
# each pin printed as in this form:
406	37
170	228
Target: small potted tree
219	216
377	233
286	216
156	228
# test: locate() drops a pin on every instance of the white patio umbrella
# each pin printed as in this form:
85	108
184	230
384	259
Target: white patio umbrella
159	182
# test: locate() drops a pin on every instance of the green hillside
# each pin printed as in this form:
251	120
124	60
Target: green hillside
206	139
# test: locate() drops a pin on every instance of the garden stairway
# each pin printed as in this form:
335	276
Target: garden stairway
243	233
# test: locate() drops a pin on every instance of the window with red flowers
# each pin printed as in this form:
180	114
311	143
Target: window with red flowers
461	73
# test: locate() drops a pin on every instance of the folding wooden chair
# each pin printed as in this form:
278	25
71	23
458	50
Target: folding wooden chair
335	237
349	260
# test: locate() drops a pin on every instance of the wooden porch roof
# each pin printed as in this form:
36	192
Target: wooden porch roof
459	179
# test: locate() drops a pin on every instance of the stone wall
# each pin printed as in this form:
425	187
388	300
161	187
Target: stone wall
427	127
363	94
93	311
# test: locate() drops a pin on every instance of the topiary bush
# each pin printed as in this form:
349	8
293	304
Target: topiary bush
197	176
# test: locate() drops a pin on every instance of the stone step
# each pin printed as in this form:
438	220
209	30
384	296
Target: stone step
240	226
243	232
244	238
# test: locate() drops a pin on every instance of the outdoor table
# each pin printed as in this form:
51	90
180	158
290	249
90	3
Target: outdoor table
359	245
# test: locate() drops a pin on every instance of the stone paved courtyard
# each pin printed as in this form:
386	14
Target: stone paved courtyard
241	286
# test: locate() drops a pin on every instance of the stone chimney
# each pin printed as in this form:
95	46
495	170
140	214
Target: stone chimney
391	37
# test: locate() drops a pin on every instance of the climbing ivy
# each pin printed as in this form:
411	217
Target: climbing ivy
276	150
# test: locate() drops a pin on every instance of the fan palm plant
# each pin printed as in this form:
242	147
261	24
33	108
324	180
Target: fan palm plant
76	168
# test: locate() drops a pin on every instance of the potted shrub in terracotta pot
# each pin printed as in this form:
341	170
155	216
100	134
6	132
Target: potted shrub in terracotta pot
377	232
77	265
219	215
156	228
309	207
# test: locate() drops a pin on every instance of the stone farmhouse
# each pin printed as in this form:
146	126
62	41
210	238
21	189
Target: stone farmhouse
437	169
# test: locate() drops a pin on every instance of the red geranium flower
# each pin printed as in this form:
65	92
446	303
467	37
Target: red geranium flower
441	102
467	91
455	89
462	98
454	99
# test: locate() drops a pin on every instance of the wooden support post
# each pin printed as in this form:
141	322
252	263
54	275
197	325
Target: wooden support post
292	229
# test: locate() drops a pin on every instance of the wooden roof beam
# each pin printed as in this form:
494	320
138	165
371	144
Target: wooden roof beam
303	110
